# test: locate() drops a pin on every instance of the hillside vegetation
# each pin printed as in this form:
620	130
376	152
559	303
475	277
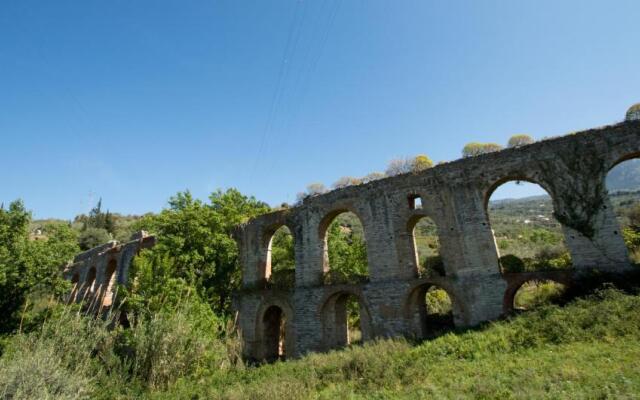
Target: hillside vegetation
587	349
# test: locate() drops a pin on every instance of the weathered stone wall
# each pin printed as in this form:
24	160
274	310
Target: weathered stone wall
572	169
97	272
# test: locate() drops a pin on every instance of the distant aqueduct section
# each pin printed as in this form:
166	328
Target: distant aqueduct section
455	195
96	273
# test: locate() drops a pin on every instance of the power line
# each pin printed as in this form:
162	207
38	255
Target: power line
293	36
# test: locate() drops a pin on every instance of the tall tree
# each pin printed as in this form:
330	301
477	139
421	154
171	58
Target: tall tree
28	265
195	243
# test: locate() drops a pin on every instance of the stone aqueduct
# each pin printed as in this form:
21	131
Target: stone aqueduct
96	273
572	169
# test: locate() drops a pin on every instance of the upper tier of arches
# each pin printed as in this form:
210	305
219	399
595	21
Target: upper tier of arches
572	169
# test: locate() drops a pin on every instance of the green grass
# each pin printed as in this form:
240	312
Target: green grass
587	349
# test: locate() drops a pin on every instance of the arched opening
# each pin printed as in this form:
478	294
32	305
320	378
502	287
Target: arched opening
426	247
430	311
345	249
109	283
536	293
89	283
345	321
280	263
75	286
415	202
528	237
274	331
623	185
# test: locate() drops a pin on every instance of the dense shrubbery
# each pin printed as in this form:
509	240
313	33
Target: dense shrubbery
195	248
79	357
184	353
30	269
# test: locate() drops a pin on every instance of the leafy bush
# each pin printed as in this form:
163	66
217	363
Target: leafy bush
537	293
438	301
166	346
78	357
432	265
512	263
568	351
338	277
93	237
55	362
519	140
283	278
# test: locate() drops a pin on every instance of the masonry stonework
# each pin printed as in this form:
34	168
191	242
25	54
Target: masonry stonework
96	273
572	169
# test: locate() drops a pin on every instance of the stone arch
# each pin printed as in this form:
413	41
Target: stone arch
514	178
288	277
622	158
334	317
421	322
546	255
433	262
75	287
323	230
516	281
109	282
274	330
624	200
89	283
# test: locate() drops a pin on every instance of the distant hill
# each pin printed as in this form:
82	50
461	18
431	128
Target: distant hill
625	176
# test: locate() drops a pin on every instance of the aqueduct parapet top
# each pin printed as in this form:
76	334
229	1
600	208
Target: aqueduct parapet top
572	169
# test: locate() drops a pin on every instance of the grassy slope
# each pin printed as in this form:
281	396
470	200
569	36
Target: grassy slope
588	349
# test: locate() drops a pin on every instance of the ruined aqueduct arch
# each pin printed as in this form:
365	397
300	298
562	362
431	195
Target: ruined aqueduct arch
572	169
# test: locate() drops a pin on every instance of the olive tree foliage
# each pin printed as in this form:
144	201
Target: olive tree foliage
475	149
313	189
346	181
398	166
373	176
405	165
420	163
195	249
519	140
30	269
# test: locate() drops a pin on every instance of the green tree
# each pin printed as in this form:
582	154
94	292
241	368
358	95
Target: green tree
420	163
475	149
92	237
282	251
519	140
195	245
27	266
347	248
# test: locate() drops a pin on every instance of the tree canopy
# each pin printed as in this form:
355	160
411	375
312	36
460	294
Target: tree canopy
195	245
519	140
30	269
475	149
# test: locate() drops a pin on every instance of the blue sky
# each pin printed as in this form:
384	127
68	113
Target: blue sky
133	101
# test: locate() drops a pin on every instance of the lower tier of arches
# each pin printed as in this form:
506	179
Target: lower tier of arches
279	324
